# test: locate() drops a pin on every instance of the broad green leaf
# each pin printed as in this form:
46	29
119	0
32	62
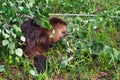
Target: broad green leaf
32	1
15	27
10	61
20	7
95	27
25	11
4	4
116	53
106	47
19	52
12	51
11	4
17	59
13	34
44	22
64	63
83	51
12	45
5	42
5	35
70	58
7	31
9	11
2	68
32	72
22	38
47	1
30	4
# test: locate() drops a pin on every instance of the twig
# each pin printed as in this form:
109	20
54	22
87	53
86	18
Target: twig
80	15
91	15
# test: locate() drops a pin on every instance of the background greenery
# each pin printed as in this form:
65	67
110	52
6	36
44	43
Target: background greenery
90	51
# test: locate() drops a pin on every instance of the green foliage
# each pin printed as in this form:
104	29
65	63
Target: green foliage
2	68
19	52
91	47
12	15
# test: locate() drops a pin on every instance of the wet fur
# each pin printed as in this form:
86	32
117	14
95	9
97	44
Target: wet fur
38	39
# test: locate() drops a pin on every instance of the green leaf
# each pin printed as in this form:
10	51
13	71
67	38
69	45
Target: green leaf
5	42
22	38
2	68
31	3
25	11
84	51
64	63
9	12
1	78
0	30
12	45
32	72
70	58
16	28
12	51
20	7
5	35
4	4
17	59
44	22
116	53
13	34
19	52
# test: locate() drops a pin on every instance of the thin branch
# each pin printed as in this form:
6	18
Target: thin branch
91	15
80	15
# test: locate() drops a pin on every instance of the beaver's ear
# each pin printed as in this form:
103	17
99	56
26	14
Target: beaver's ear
54	20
